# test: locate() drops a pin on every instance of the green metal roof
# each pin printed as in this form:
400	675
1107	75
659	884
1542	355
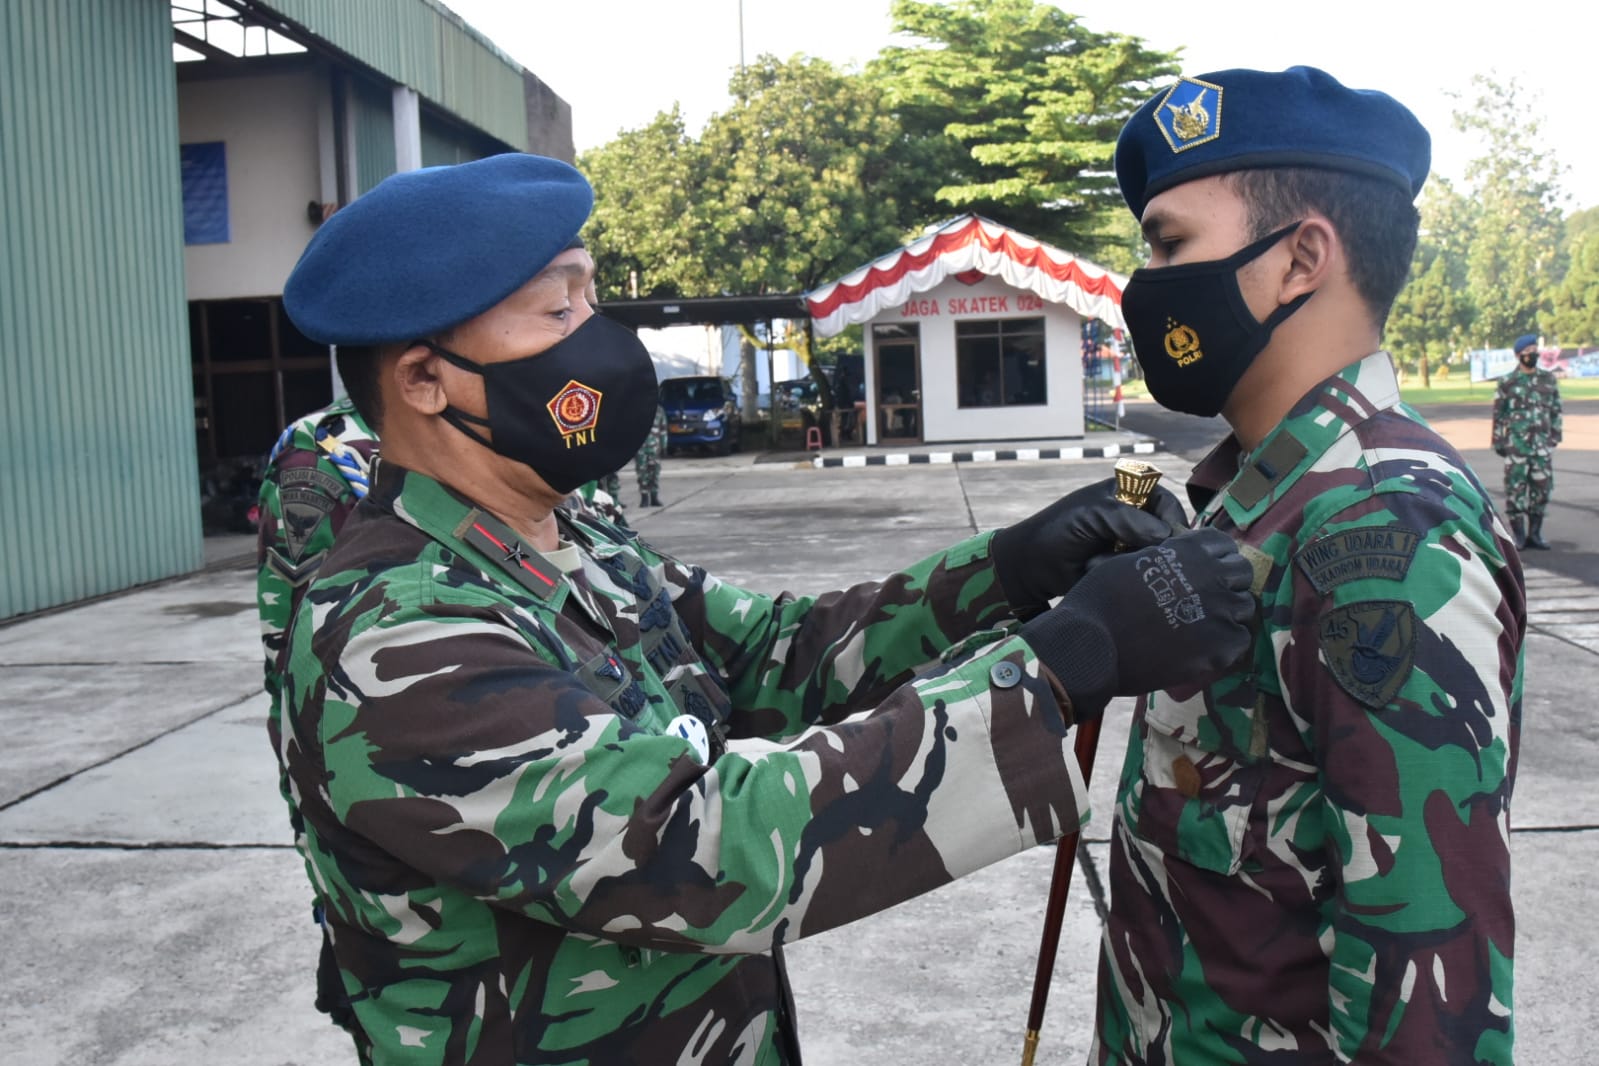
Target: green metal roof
423	45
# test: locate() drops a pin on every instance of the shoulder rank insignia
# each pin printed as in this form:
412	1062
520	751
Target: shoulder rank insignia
1377	552
1370	648
1190	114
497	541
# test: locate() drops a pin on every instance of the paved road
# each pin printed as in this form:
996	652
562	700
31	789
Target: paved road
155	914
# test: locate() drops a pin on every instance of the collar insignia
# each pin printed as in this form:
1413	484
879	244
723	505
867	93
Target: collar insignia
1190	114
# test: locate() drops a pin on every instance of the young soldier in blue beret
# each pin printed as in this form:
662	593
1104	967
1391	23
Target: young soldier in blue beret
563	798
1526	431
1311	855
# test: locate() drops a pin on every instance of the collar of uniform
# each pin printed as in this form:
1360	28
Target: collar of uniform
1325	414
451	519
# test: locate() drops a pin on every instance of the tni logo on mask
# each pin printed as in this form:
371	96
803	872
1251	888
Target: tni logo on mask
1182	343
576	408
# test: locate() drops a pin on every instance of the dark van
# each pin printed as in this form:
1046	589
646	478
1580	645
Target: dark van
700	412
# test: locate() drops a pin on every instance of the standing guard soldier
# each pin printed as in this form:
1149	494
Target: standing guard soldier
1526	431
565	797
647	463
1310	858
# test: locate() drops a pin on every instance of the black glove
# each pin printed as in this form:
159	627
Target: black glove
1176	612
1042	557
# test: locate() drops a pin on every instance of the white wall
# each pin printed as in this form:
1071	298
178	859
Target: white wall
269	124
942	417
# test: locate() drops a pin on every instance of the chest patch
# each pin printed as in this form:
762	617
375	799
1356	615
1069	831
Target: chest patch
1355	554
1370	648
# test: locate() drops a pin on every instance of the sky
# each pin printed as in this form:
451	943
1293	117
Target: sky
619	62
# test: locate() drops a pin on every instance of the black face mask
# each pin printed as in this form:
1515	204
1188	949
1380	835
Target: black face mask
1192	331
1528	359
574	412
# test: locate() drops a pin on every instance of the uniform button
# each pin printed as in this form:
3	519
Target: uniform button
1186	774
1005	674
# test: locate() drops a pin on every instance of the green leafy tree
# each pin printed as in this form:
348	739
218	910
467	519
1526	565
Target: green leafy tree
1015	107
1431	319
1576	300
1517	255
801	184
646	183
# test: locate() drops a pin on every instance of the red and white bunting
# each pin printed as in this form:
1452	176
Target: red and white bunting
964	244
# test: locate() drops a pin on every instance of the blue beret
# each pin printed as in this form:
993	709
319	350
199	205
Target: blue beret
1244	119
1526	340
428	249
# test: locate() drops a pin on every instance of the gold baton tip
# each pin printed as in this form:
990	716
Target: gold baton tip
1136	481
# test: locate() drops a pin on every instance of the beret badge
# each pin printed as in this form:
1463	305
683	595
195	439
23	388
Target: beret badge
576	409
1190	114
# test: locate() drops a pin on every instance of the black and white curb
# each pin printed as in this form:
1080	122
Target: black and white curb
1107	451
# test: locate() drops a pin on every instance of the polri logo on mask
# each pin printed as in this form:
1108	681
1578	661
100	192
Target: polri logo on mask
576	410
1182	343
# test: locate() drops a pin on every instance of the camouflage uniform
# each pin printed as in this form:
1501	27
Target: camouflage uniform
647	463
589	498
1310	857
527	854
611	485
1526	430
316	473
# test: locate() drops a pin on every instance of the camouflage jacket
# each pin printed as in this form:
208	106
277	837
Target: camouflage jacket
1310	858
1526	413
567	813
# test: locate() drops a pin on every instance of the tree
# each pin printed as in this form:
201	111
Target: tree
1432	315
1576	300
1016	107
1517	255
646	182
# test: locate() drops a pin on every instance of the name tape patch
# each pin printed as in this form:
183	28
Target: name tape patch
1339	558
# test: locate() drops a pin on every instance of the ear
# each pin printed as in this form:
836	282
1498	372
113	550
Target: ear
416	380
1313	254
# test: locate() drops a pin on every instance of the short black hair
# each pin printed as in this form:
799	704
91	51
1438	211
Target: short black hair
359	368
1376	220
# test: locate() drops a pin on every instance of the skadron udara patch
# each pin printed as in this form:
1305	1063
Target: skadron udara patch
1353	554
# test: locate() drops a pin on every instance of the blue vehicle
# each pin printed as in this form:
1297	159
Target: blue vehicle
700	412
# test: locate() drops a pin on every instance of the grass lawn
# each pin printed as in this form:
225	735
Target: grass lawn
1446	392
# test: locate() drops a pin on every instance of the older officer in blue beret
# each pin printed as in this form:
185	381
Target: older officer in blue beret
1310	858
563	797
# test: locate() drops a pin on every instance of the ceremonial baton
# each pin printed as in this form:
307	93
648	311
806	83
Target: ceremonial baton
1135	483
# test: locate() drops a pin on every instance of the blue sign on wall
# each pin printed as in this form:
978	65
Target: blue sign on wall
205	193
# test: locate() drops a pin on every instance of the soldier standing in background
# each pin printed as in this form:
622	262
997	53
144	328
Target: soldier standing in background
1526	431
316	473
647	463
565	797
1310	859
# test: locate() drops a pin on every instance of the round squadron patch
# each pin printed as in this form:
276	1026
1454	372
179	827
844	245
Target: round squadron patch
1370	648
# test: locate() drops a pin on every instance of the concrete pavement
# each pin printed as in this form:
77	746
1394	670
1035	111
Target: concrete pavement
155	912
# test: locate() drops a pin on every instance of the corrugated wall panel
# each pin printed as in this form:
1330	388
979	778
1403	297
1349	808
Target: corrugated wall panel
427	47
97	452
372	114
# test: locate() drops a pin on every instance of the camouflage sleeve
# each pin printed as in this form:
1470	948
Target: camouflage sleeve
1555	431
452	745
796	661
303	502
1501	421
1412	689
